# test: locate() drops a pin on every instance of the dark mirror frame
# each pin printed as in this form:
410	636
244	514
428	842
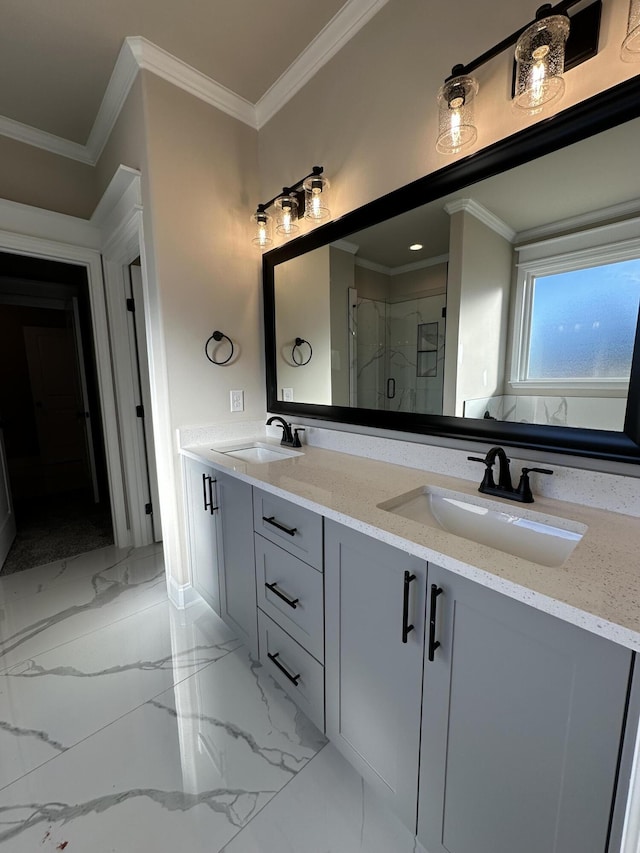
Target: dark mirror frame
601	112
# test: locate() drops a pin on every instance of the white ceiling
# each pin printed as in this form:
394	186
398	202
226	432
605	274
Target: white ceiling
58	55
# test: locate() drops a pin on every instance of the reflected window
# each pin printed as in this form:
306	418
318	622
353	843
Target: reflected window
583	323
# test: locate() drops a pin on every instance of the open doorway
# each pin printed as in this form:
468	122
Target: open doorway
50	414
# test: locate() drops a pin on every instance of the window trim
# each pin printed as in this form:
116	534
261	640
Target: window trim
535	262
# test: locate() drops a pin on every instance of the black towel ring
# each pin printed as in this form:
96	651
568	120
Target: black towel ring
218	336
298	343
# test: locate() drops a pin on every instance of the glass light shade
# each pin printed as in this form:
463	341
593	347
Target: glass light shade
287	223
262	223
316	198
456	128
630	51
540	63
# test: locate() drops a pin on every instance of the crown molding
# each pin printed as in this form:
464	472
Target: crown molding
122	79
485	216
138	53
152	58
340	29
346	246
47	141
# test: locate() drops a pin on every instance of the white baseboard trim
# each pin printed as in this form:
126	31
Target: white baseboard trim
181	595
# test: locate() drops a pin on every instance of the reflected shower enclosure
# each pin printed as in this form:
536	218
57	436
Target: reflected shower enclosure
397	353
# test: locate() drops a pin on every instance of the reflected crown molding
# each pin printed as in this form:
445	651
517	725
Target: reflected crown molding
416	265
485	216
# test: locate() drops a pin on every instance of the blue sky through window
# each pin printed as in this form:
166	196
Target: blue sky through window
583	323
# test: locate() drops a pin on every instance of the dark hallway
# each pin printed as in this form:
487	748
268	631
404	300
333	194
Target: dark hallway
49	413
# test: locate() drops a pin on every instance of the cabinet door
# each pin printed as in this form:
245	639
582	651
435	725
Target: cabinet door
373	678
237	560
522	722
202	524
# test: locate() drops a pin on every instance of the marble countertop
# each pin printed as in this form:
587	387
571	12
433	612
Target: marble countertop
597	588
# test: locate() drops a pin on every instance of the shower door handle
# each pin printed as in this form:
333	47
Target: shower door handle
391	388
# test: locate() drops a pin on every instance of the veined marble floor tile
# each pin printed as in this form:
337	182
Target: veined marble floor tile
183	772
326	808
51	701
36	623
39	580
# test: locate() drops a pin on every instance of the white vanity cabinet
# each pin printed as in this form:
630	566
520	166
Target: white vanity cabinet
202	524
523	716
290	590
374	625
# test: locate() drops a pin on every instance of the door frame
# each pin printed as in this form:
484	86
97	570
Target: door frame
90	260
120	250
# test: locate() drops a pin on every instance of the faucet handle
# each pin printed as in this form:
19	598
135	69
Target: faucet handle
524	487
296	437
478	459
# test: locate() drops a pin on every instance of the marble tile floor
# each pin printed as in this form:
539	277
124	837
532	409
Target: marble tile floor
127	726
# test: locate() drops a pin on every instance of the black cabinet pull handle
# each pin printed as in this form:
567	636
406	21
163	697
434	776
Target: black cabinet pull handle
406	629
433	643
212	508
272	520
207	503
292	678
292	602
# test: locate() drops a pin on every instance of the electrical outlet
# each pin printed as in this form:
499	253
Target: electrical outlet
237	401
287	395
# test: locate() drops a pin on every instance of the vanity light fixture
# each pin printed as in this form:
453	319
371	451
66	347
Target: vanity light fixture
540	61
544	49
287	217
308	196
262	222
456	128
630	51
316	201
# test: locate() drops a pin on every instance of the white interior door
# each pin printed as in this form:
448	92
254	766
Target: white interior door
7	518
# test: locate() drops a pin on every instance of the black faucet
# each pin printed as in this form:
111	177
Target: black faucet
289	439
505	489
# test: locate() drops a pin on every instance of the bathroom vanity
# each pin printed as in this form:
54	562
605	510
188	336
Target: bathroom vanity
487	697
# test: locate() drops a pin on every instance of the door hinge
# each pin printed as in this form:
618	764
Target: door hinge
139	411
148	509
444	311
131	305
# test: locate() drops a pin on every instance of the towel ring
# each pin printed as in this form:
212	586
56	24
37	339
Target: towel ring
298	343
218	336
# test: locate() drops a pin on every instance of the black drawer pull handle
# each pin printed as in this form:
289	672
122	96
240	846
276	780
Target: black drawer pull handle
433	643
212	508
406	629
272	520
207	505
292	678
292	602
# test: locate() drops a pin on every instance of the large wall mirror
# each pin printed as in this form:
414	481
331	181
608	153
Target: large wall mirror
496	299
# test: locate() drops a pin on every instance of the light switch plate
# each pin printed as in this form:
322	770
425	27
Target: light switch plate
237	401
287	395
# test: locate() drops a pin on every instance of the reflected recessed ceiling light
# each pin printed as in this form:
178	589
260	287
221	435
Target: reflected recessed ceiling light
415	247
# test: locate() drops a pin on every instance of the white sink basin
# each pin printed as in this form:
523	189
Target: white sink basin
256	451
541	538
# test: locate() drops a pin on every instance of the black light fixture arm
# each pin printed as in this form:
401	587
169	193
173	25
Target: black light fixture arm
294	188
543	12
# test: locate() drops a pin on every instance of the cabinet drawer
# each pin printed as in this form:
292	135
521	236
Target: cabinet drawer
279	652
295	600
297	530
